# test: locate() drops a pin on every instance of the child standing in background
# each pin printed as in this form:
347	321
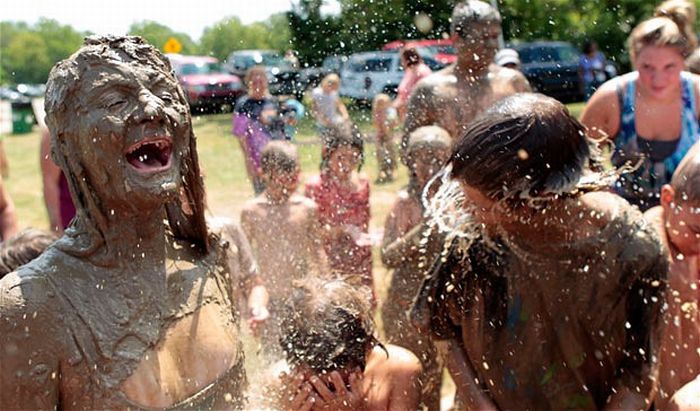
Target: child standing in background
342	197
282	228
384	120
428	149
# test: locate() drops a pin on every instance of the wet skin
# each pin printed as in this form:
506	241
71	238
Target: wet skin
162	318
454	96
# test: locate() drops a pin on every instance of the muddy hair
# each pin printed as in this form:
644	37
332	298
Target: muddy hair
671	26
22	248
686	178
327	325
342	135
472	11
423	138
279	155
527	146
87	233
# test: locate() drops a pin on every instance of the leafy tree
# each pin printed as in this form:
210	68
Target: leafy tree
230	34
158	34
26	58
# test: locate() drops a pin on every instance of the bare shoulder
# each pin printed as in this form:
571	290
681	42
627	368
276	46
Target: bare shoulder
401	362
510	76
253	207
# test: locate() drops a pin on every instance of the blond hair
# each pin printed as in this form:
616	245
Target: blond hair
380	98
331	79
671	26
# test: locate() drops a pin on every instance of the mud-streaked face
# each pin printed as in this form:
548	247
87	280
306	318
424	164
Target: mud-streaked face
478	43
133	131
427	161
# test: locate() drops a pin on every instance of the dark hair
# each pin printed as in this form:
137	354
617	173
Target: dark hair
588	46
22	248
526	146
410	56
279	155
343	135
686	178
327	325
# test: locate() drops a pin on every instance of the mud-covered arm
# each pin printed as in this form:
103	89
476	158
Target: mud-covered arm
29	366
319	260
464	376
399	246
637	376
246	260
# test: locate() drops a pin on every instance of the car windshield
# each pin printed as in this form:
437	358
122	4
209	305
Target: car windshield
441	49
371	64
548	54
261	59
199	68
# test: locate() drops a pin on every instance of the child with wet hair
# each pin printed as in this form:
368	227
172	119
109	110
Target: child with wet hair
550	294
283	231
677	221
384	120
427	151
342	196
22	248
335	361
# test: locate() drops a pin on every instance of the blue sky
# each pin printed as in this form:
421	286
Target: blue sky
115	16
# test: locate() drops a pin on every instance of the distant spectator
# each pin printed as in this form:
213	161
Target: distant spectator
384	120
59	204
292	111
22	248
256	121
415	70
290	56
693	62
591	68
326	105
508	58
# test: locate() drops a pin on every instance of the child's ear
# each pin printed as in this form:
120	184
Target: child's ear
668	193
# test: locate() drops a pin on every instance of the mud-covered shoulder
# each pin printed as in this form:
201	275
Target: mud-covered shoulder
32	338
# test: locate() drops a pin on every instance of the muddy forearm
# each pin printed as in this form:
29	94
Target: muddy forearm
464	376
403	248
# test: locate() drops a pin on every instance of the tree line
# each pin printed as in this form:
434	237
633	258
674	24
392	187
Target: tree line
27	52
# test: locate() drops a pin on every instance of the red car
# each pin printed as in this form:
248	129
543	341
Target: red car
205	83
441	50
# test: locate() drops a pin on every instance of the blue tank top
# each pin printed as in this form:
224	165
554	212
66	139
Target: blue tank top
658	161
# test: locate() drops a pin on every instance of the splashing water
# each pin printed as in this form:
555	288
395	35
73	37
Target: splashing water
449	212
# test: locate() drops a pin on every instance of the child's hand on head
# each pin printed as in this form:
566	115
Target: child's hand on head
336	395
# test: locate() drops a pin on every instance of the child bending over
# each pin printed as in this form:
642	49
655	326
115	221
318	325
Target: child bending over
334	360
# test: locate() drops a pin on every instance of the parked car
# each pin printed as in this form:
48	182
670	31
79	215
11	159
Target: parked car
282	77
551	67
442	50
368	74
206	84
310	77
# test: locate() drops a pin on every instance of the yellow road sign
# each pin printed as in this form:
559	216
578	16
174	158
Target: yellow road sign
172	46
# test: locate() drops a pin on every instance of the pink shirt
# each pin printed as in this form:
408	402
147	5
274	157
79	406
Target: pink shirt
408	83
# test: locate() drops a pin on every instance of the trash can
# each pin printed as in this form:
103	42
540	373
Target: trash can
22	118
